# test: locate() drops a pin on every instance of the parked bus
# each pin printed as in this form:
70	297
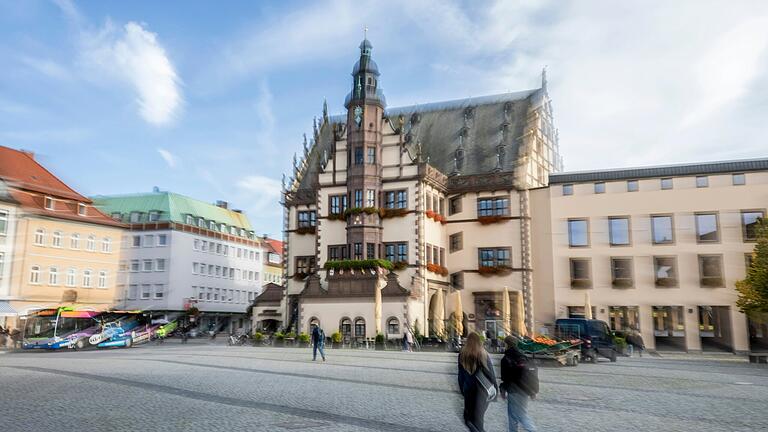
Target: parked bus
63	327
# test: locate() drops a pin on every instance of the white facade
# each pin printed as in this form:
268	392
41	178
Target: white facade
168	269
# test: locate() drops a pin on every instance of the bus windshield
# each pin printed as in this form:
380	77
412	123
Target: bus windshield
40	327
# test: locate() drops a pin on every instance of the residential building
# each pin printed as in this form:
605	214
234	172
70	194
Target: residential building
439	189
8	214
273	261
180	252
658	249
268	308
65	251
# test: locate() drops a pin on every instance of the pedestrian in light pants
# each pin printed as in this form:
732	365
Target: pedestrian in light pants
517	411
318	342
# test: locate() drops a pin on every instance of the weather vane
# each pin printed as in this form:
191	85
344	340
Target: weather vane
365	32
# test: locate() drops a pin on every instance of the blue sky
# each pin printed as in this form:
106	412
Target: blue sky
210	99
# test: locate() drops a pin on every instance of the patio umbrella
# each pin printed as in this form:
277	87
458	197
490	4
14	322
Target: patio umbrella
439	318
587	306
377	307
521	329
506	313
458	315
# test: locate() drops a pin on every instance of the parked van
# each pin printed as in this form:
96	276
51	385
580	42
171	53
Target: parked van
596	337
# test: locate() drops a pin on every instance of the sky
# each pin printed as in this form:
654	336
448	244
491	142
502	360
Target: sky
210	99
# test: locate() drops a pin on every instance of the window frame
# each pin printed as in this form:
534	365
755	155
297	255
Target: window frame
494	208
580	283
675	267
671	217
702	181
49	203
495	260
671	183
635	188
629	231
570	235
82	209
310	219
567	189
721	277
455	205
456	242
599	187
717	227
742	213
631	277
743	177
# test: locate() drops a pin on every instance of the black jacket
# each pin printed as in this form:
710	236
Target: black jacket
510	375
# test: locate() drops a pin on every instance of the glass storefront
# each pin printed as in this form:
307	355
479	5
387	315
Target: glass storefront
669	328
715	328
624	317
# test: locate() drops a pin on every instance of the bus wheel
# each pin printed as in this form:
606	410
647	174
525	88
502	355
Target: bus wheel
129	343
80	344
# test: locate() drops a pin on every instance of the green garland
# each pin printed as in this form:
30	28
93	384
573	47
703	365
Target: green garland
358	264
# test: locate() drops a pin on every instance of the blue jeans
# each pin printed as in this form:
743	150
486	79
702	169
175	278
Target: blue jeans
517	411
316	347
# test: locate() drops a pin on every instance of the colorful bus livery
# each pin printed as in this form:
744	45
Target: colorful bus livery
64	327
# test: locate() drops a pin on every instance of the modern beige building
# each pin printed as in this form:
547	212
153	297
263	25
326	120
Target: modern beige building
658	249
65	251
439	190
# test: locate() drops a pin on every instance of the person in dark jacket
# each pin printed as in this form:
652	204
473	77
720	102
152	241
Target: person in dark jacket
517	398
635	340
473	360
318	342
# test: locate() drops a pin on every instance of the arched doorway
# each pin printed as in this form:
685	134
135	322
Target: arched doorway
359	327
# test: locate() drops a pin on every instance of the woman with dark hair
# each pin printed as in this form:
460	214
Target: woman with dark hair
477	382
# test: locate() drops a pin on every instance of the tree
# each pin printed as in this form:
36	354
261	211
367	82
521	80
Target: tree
753	290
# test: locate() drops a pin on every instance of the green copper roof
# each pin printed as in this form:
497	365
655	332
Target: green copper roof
171	207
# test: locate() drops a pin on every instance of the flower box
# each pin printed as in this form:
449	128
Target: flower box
358	264
306	230
392	212
438	269
337	216
486	220
493	270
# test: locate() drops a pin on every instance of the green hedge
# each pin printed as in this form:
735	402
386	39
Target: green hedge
358	264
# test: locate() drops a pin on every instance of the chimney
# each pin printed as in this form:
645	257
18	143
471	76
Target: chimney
155	189
222	204
265	236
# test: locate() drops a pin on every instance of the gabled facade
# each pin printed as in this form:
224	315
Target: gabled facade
64	249
181	252
440	190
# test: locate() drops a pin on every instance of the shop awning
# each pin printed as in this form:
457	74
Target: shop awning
6	309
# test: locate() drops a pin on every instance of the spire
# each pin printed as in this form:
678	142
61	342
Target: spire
325	111
544	78
365	76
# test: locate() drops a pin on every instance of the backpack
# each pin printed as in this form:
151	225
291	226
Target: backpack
521	372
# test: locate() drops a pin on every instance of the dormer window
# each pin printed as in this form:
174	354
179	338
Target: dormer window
135	217
117	216
212	225
81	209
201	223
190	220
154	216
48	203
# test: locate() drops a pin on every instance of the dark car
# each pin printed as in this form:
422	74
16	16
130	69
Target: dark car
596	337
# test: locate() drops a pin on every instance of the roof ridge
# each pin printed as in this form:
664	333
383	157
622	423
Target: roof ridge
29	156
651	167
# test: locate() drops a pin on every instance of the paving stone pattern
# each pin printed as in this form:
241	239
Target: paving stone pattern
200	387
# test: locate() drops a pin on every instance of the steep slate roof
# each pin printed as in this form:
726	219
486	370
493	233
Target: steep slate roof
271	293
28	183
437	127
173	208
717	167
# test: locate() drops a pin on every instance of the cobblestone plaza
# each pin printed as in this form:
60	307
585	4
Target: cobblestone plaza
214	387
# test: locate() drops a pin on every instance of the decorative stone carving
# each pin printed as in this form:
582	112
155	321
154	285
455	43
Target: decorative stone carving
481	182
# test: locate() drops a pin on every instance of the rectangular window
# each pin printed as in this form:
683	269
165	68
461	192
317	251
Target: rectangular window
441	206
136	241
48	203
81	209
370	198
117	216
358	155
154	216
454	205
739	179
707	228
662	229
358	251
87	278
160	264
102	283
492	206
162	240
402	199
304	265
370	251
146	291
711	271
621	272
618	231
149	240
307	219
56	239
3	222
567	189
337	204
665	269
72	277
578	233
600	187
666	183
494	257
371	155
390	252
581	273
402	252
133	290
457	280
53	276
749	223
702	181
147	265
358	198
633	185
159	291
456	242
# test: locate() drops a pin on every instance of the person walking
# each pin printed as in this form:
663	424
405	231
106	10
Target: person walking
477	382
635	340
517	376
318	342
409	339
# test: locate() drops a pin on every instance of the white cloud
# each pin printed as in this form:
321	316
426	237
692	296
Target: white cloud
133	54
262	195
168	157
47	67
